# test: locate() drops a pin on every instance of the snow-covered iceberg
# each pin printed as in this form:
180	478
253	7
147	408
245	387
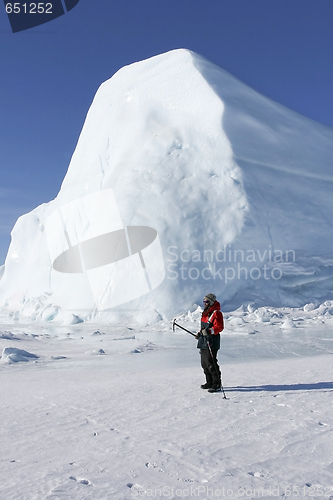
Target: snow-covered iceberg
184	180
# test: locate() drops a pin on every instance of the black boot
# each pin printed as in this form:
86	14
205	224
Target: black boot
206	386
215	388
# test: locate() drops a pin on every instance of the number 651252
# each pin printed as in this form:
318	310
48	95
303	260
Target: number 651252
29	8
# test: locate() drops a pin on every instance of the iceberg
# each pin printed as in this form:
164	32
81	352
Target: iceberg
184	181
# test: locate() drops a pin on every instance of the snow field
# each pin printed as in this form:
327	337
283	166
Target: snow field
134	422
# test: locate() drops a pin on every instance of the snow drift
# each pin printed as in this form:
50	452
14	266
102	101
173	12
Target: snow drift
184	180
14	355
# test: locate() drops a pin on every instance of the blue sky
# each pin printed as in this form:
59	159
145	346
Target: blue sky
49	74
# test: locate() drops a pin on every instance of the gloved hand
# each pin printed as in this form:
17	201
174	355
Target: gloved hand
198	335
206	331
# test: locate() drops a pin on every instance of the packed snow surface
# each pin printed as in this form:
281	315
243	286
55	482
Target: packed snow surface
117	412
184	180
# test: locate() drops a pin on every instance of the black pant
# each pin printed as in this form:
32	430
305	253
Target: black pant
210	367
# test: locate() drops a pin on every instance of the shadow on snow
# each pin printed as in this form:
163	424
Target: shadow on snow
326	386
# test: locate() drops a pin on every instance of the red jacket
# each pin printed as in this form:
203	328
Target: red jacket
214	317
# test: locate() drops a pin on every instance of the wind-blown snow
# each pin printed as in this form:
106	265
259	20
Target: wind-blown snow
229	191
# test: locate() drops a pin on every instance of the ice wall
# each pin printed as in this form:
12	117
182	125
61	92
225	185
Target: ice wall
183	181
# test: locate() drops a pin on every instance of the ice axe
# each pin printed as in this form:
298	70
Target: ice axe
174	324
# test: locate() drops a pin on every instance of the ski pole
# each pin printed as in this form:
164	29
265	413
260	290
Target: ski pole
179	326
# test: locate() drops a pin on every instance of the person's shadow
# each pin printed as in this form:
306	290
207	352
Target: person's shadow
318	386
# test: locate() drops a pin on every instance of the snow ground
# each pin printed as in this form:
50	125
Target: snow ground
117	412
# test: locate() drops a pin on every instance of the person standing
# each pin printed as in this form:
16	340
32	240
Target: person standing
209	342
